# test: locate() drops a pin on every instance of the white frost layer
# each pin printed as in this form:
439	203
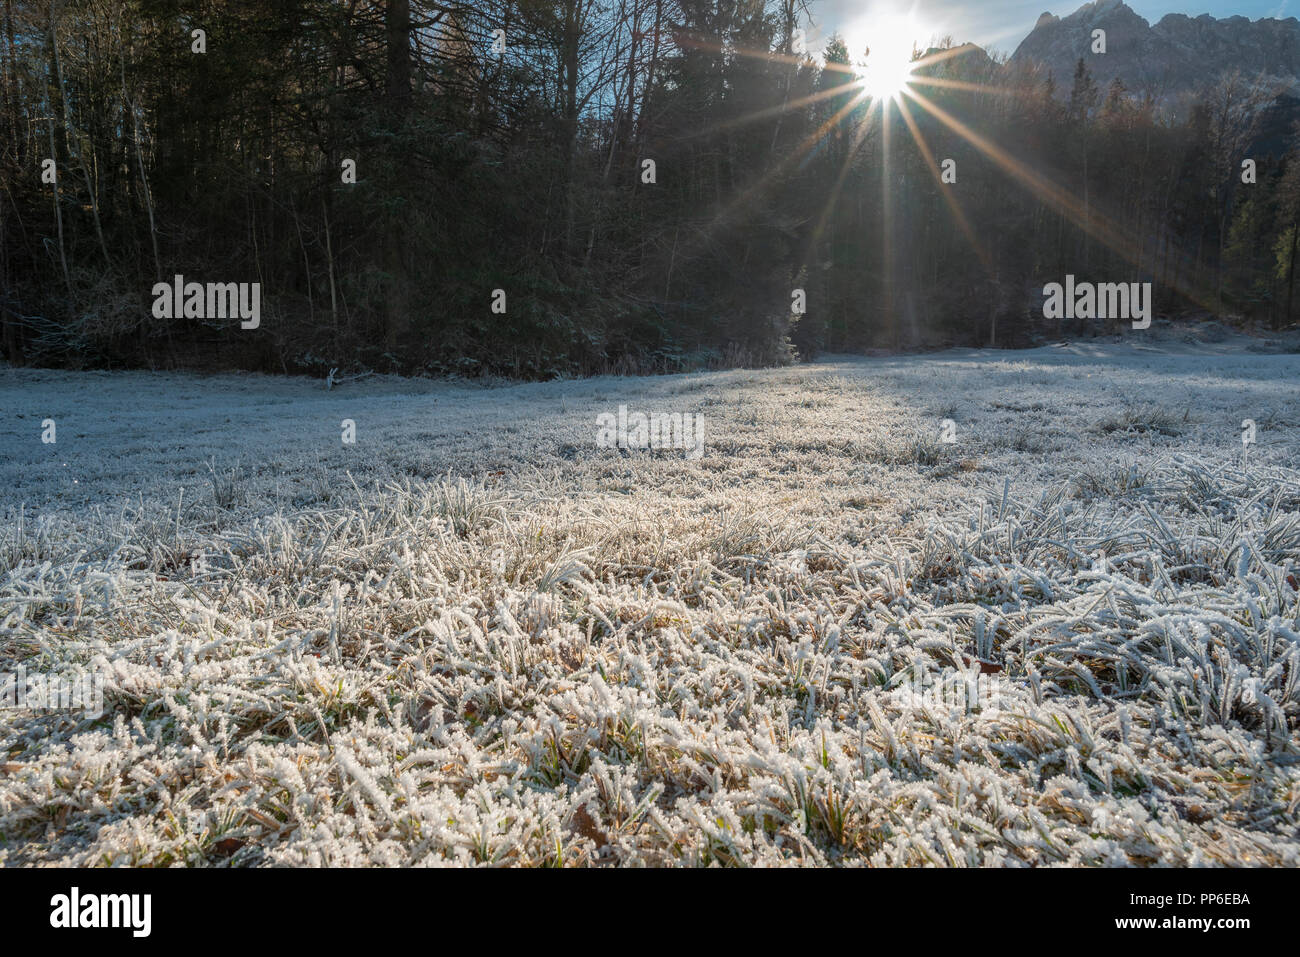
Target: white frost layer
476	637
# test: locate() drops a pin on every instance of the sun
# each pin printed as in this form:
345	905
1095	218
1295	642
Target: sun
880	46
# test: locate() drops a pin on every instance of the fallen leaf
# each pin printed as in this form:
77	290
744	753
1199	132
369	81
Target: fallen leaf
585	825
228	846
986	667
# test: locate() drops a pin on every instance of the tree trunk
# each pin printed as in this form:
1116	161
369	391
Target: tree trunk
1290	272
397	22
397	311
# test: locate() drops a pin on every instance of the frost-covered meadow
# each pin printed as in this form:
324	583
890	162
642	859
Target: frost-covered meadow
476	637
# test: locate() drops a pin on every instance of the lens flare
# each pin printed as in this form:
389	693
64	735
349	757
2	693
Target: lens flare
887	43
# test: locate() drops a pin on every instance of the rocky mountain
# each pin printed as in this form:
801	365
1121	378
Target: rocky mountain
1175	57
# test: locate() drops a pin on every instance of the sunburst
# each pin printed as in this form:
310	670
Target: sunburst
883	48
890	67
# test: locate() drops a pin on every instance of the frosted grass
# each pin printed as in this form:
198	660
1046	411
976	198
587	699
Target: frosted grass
477	639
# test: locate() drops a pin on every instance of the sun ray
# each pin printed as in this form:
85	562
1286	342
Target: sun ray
769	112
948	84
1092	221
795	156
837	187
755	189
887	222
937	55
953	205
771	56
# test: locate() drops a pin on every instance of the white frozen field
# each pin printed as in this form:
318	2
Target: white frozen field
1070	637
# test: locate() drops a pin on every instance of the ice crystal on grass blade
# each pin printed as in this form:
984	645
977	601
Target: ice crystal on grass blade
464	504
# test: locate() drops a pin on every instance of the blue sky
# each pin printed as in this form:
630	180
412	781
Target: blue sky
1002	24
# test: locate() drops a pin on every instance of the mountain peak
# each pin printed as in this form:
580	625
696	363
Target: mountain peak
1094	8
1179	54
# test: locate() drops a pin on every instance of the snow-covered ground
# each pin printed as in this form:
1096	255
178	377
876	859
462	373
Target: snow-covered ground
1069	636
